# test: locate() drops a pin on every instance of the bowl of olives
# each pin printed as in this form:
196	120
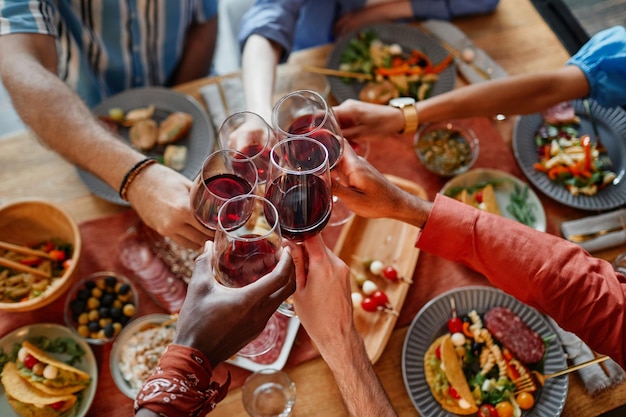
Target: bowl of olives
99	306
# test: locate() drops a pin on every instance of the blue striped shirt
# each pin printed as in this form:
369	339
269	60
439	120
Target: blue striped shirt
108	46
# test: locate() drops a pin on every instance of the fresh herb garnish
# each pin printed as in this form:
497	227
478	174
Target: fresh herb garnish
519	206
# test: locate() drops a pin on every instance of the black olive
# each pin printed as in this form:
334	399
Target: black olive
83	294
78	306
107	299
105	312
109	330
110	281
124	288
93	326
90	285
116	312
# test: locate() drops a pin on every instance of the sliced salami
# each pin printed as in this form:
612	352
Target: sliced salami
515	335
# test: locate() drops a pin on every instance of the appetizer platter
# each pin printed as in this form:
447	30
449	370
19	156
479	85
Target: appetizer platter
178	124
382	256
51	345
500	193
432	337
399	51
611	124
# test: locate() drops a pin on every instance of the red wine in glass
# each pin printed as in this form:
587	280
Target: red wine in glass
260	155
310	125
246	260
224	186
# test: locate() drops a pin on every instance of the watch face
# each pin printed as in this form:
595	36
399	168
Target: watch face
402	101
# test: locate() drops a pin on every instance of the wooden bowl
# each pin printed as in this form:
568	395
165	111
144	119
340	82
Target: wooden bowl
28	222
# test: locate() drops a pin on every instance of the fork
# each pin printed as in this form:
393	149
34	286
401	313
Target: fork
529	381
604	161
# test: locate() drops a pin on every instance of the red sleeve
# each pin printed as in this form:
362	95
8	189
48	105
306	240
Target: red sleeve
582	293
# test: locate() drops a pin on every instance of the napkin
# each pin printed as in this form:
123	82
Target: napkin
448	34
592	224
594	377
223	98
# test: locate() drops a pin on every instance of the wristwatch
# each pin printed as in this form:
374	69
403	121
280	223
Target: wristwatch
406	104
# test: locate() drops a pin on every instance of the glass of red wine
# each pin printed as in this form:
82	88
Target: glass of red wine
299	186
225	174
249	133
306	113
246	247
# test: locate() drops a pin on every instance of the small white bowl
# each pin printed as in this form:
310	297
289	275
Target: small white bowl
123	340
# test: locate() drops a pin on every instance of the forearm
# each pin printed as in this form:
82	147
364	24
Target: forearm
521	94
360	388
259	62
198	53
62	121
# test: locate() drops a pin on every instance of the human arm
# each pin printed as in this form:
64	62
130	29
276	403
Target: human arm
376	13
324	307
258	64
198	52
229	317
158	194
522	94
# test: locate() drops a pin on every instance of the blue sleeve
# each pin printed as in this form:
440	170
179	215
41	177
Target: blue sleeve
448	9
33	16
603	60
274	20
208	10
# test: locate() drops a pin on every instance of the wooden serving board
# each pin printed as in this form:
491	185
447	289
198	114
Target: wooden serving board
393	243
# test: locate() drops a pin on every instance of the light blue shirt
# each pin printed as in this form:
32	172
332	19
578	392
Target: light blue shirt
299	24
108	46
603	60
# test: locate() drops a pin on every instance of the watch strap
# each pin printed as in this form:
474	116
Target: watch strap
411	120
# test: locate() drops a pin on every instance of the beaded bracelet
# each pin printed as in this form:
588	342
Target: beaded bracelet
132	173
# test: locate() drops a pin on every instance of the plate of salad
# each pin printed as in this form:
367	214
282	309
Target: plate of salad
491	388
402	60
539	145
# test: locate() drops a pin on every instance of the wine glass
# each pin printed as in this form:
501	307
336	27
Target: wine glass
306	113
246	247
299	186
249	133
225	174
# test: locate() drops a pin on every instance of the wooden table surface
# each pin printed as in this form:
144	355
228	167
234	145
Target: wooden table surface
511	36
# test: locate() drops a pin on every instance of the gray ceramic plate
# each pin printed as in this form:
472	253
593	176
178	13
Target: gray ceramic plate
612	128
53	331
430	323
199	141
408	37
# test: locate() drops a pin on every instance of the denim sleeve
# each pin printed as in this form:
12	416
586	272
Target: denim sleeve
603	60
448	9
272	19
32	16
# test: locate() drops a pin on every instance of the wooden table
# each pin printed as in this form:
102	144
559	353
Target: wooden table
510	36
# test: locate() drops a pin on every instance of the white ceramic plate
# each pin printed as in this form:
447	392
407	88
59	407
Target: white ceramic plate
430	323
199	141
279	363
503	191
53	331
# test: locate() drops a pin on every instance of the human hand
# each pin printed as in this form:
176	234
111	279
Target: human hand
322	299
160	196
359	119
362	17
219	320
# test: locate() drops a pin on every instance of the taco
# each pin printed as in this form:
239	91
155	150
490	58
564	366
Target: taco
444	374
28	401
59	379
484	198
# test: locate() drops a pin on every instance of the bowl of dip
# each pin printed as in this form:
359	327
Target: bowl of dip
446	148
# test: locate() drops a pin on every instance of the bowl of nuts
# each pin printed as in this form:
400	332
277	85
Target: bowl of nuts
99	306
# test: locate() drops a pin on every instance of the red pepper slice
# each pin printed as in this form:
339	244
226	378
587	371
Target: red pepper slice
30	261
586	143
57	254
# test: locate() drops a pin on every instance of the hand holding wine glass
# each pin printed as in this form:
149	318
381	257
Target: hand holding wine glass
225	174
248	133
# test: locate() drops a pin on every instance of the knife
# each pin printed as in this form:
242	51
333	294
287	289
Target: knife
583	237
